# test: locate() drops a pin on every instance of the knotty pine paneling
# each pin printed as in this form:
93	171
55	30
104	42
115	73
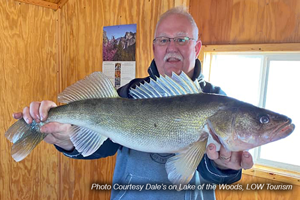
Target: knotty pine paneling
247	21
28	72
82	25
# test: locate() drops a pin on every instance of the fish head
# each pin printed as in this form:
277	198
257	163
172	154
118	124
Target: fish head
244	126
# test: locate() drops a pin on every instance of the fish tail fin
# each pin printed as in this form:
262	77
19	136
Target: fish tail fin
25	137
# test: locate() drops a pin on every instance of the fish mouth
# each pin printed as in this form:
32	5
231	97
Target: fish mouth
283	131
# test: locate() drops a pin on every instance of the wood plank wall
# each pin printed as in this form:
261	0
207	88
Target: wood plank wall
43	51
247	21
28	66
82	24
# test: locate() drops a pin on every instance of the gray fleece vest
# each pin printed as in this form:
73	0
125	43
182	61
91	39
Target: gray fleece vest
139	170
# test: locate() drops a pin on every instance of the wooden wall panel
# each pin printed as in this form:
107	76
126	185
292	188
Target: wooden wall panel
28	73
82	26
247	22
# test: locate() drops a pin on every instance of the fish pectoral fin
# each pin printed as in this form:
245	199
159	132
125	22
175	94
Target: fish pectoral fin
181	167
86	141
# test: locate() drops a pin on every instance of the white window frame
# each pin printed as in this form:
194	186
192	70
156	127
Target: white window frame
268	57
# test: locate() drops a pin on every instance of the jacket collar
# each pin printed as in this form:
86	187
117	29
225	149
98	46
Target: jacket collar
153	72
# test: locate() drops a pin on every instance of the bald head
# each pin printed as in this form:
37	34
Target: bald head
181	11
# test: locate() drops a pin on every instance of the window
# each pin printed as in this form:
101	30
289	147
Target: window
269	80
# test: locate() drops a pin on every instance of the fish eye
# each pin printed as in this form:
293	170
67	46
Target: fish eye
264	119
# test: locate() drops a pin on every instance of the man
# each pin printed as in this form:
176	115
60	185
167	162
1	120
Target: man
176	49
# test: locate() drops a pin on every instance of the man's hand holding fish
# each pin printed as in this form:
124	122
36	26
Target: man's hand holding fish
57	133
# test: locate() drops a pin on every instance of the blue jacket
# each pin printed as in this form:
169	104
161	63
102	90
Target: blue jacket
140	168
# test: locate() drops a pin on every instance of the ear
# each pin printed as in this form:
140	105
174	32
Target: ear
153	51
198	48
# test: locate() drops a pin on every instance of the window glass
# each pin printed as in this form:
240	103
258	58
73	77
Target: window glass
238	76
283	96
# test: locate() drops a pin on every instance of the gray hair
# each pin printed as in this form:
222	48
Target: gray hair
181	11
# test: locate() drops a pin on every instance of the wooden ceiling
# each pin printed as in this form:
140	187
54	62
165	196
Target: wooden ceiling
52	4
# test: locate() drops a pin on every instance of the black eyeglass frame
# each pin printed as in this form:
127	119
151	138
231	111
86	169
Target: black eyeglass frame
175	39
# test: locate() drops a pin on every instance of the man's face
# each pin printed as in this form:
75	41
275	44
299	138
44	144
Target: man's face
173	57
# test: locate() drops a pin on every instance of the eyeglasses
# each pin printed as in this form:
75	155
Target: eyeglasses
181	40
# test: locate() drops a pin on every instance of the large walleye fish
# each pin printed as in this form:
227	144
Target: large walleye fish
169	115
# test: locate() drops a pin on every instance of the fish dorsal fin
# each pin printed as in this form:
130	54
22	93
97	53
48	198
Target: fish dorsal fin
187	83
94	86
166	87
